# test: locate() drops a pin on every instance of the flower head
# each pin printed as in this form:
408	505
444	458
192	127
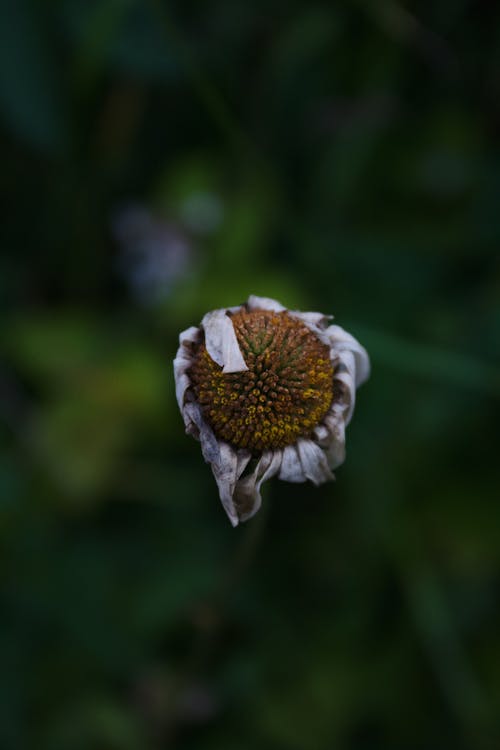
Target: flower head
267	391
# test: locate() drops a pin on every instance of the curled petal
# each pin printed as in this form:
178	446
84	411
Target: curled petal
227	464
227	470
182	362
345	373
190	335
291	466
196	426
182	384
322	434
263	303
247	497
342	341
335	450
316	322
221	342
314	463
305	460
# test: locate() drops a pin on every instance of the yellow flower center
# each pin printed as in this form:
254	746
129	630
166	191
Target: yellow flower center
285	393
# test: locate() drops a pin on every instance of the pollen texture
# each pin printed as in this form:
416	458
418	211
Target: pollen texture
285	393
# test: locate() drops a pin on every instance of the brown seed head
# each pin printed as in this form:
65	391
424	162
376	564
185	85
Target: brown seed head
285	393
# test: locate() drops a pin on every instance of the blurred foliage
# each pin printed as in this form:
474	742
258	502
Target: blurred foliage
342	157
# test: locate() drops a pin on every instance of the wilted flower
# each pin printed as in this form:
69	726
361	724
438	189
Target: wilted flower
267	391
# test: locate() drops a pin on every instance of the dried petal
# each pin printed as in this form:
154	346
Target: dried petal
247	497
291	466
221	341
227	470
264	303
315	321
183	362
342	341
314	463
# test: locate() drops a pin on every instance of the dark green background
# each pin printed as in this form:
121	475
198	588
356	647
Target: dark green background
341	157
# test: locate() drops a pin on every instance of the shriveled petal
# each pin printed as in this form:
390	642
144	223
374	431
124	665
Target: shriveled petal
330	434
198	427
335	453
322	434
183	361
313	320
221	341
342	341
314	463
247	497
345	373
190	335
291	466
227	464
335	450
263	303
182	381
227	470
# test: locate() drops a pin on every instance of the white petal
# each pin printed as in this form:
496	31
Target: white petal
330	434
226	463
313	320
247	497
189	336
335	450
264	303
313	460
342	341
227	471
322	434
345	373
221	341
196	426
291	466
182	383
183	361
316	322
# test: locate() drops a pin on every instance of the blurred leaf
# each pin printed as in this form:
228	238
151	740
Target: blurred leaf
434	363
143	49
105	392
79	444
31	93
119	35
98	721
97	24
54	346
